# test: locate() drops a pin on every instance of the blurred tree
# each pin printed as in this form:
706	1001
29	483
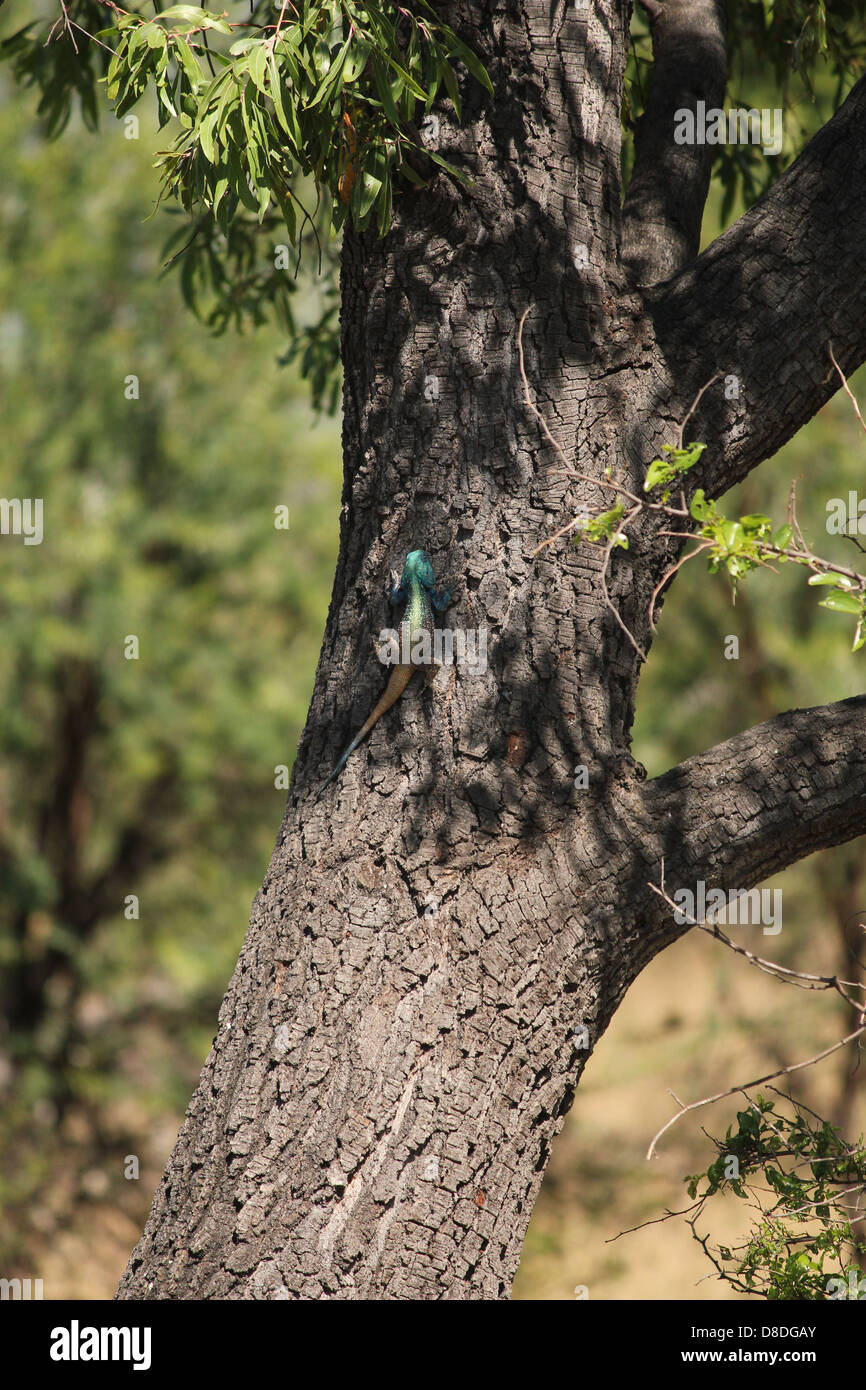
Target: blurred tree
161	459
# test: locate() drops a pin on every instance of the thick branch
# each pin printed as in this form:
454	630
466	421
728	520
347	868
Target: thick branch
767	298
765	799
665	203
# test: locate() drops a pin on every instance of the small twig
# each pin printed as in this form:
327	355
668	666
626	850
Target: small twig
623	492
821	1201
758	1081
807	557
608	552
781	972
846	387
792	516
802	978
705	545
307	218
655	1221
572	525
67	24
279	26
693	407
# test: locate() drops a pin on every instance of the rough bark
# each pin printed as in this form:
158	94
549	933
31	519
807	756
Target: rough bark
403	1033
669	184
763	302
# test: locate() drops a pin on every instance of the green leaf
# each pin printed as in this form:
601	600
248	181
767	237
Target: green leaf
370	189
322	58
136	39
605	527
248	113
193	14
756	521
206	137
332	81
291	54
383	88
408	79
258	61
242	46
356	60
700	508
200	19
229	97
188	60
683	459
450	79
658	472
277	95
154	37
166	102
385	203
219	192
287	207
782	538
842	603
838	581
478	70
240	181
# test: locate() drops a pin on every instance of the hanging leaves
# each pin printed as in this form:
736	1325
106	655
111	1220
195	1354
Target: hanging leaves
328	92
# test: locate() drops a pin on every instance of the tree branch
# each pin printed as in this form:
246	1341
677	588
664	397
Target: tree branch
669	184
767	798
767	298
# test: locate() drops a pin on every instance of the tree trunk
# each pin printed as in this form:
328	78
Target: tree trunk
443	936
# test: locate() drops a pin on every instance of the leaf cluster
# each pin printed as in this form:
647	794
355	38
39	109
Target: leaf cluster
739	545
289	120
803	1182
331	91
678	461
605	527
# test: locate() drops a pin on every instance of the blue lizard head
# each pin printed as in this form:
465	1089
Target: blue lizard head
418	569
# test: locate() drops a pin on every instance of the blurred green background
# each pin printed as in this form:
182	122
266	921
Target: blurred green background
155	777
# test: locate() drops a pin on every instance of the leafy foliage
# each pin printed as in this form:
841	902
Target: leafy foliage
803	1235
678	461
605	527
62	63
290	120
328	91
739	546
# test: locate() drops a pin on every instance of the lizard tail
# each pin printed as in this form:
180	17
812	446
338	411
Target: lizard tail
400	678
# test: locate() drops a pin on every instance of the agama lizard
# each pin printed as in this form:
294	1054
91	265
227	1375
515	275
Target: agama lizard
416	589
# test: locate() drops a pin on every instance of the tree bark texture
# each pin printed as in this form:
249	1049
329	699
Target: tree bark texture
403	1034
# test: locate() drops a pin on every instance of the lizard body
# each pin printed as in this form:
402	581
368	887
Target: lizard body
417	590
